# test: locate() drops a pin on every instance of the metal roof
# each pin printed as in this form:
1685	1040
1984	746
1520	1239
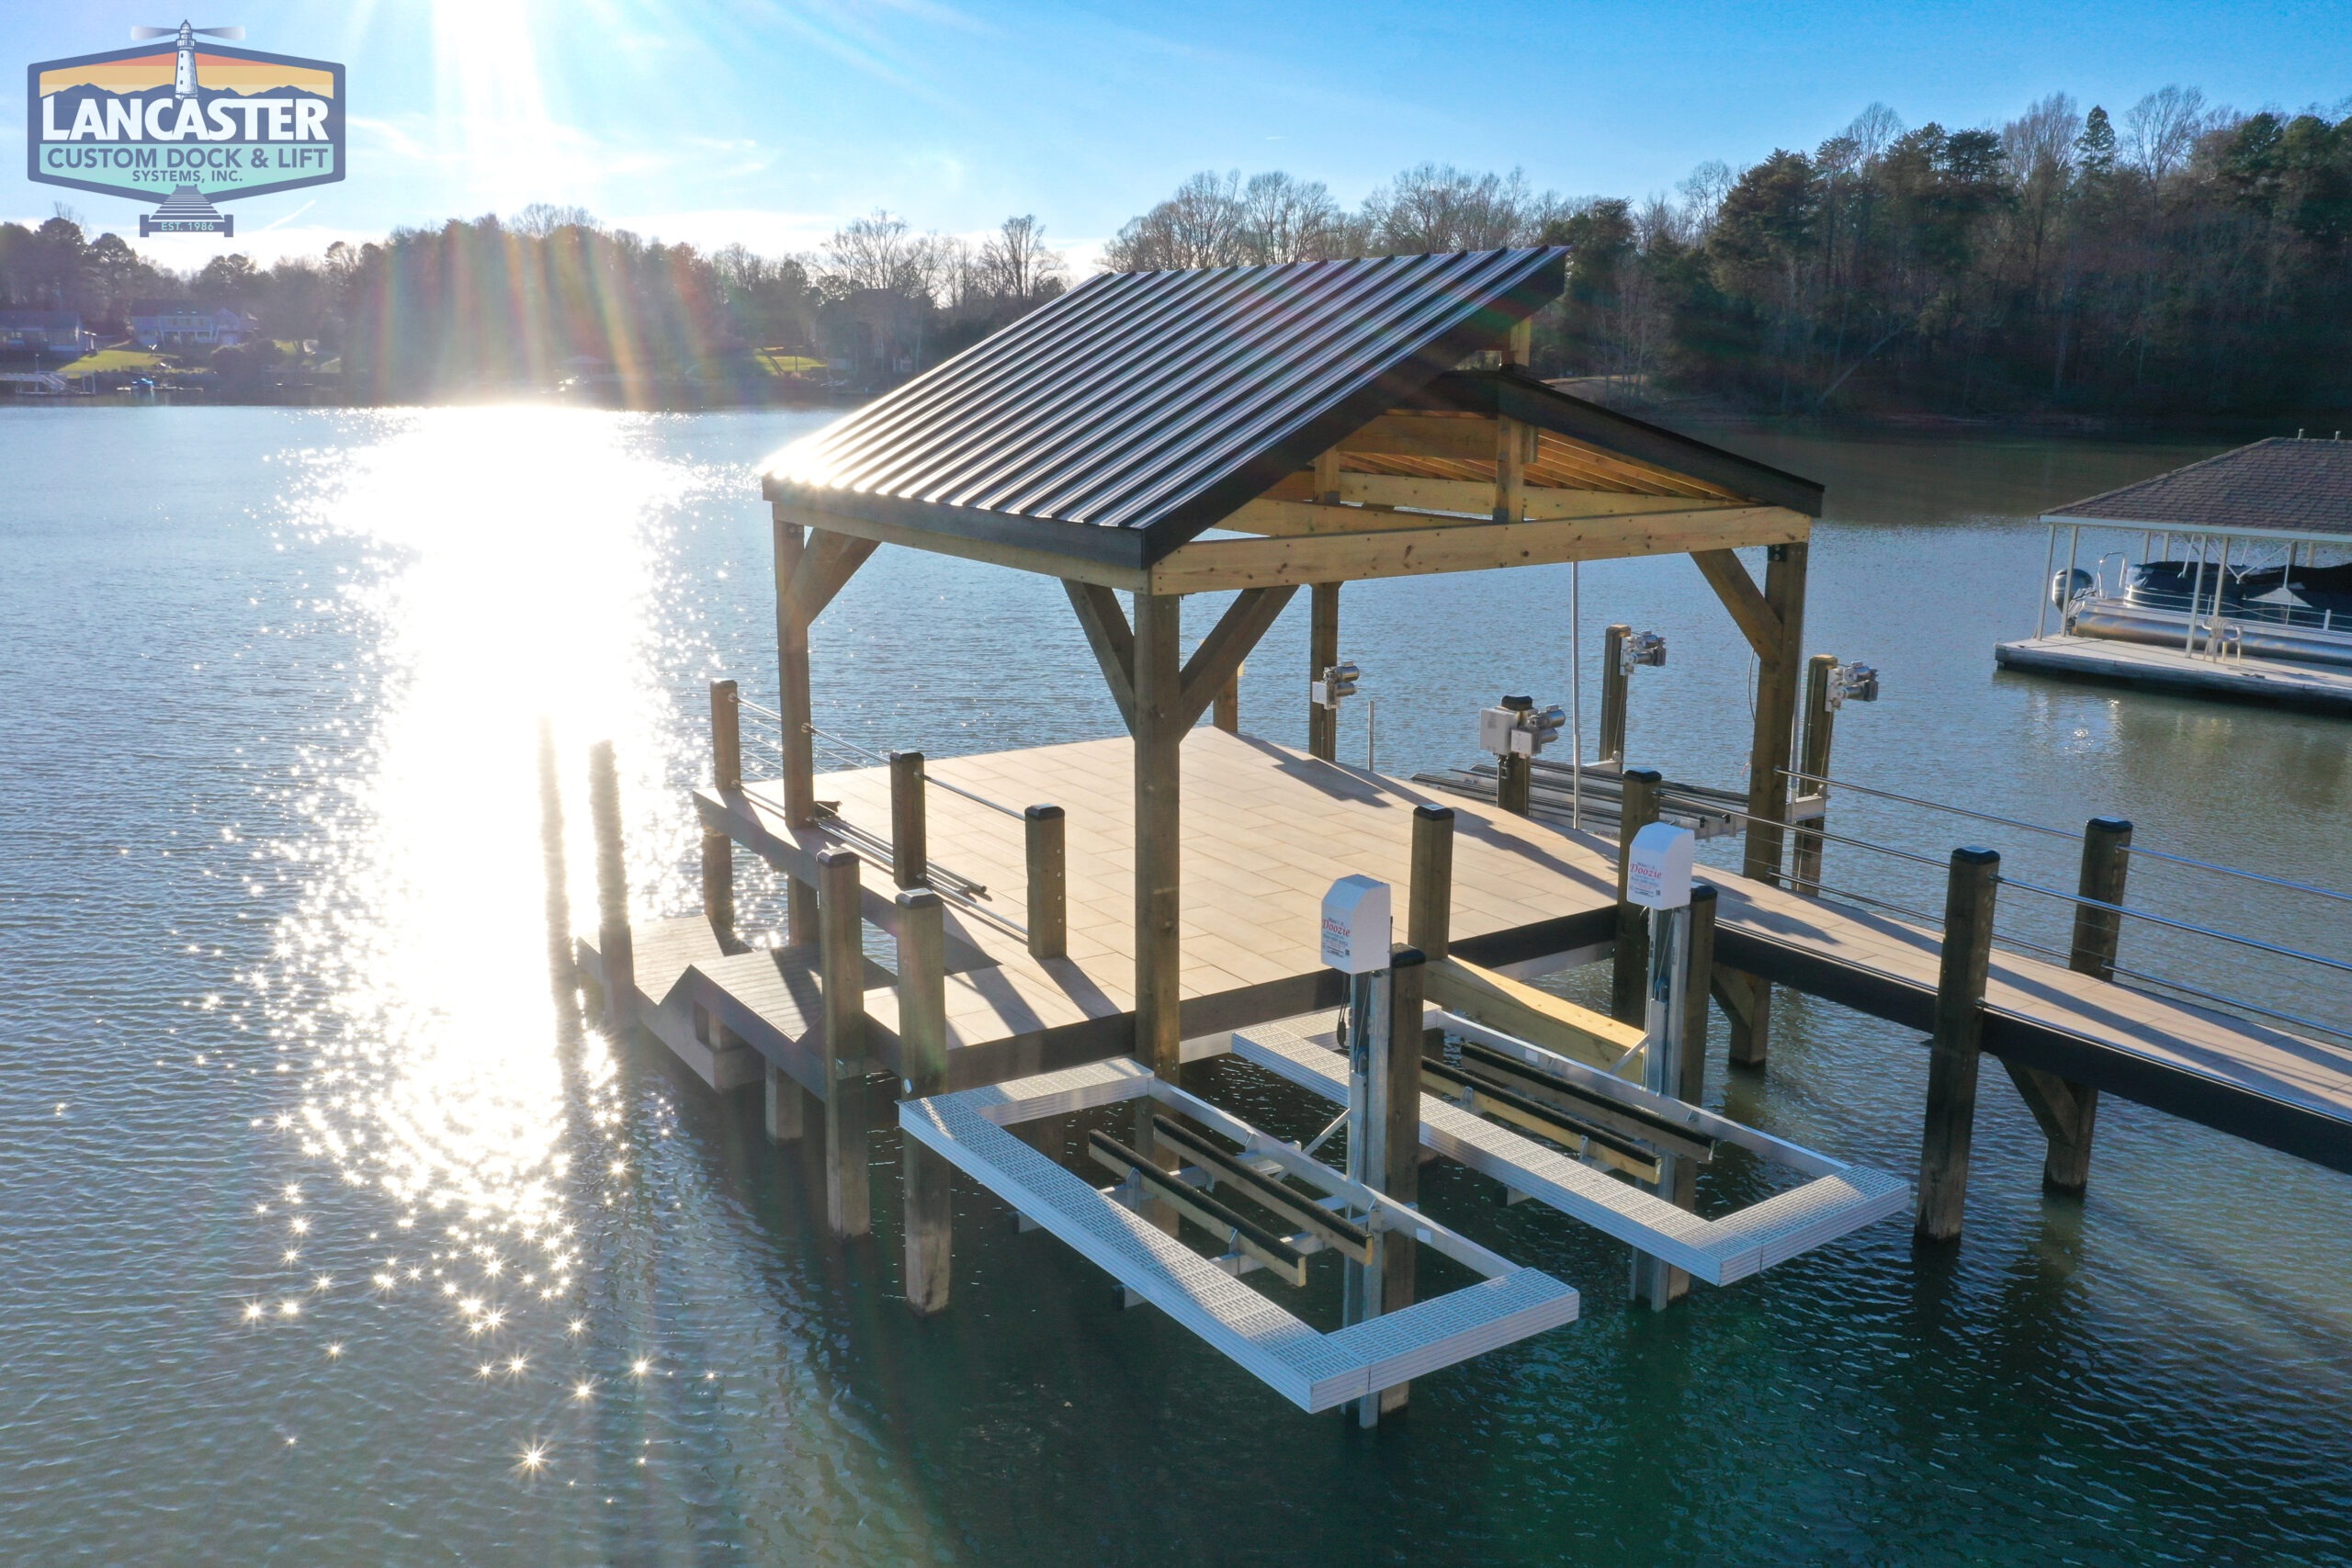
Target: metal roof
1139	409
2284	485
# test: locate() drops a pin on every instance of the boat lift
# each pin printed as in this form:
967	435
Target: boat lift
1128	1229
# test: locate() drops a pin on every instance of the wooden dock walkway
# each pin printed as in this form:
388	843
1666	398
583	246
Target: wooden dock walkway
1285	826
2171	669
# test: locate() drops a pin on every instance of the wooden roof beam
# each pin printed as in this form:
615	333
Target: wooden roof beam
1290	518
1214	565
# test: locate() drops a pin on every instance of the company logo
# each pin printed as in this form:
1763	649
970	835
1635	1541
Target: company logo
185	123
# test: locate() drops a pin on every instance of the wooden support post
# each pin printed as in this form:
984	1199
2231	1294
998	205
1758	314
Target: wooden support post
799	747
1630	971
1514	782
786	1114
1512	440
1322	652
1400	1174
910	839
840	979
1775	706
1042	828
613	943
2067	1111
1748	1001
1614	680
1159	840
563	970
718	848
1227	713
1953	1052
1820	720
1429	918
923	1048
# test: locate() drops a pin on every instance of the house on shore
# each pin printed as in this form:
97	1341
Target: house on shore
46	333
168	325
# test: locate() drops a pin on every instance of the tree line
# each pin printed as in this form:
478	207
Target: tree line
2188	261
495	303
2177	260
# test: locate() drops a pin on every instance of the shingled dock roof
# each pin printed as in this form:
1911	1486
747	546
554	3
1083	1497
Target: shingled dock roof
1143	408
2285	486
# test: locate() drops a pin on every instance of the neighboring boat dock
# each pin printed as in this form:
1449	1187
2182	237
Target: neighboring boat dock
2241	585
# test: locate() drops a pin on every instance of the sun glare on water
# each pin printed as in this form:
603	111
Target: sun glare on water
512	564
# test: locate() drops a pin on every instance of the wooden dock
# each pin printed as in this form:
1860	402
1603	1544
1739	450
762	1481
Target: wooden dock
2171	669
1526	897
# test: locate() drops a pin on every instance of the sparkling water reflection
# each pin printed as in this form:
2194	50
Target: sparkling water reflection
333	1237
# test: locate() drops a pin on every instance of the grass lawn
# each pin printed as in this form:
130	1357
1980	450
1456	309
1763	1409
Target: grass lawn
107	359
779	364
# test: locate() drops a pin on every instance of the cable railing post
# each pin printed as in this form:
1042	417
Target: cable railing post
718	847
1042	828
2068	1111
1820	718
1429	911
1614	679
1954	1049
923	1048
841	969
910	837
1629	978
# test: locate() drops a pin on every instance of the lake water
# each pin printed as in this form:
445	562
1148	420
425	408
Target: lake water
325	1240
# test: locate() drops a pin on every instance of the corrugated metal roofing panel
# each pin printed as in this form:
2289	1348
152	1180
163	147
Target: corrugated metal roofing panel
1152	404
2282	485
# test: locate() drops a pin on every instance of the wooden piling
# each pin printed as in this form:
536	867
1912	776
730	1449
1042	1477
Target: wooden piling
613	941
840	971
563	970
1429	911
1629	975
1225	712
1820	721
1785	565
1043	829
718	848
786	1113
909	837
923	1047
1614	681
799	746
1159	685
1954	1051
1322	652
1400	1174
2068	1111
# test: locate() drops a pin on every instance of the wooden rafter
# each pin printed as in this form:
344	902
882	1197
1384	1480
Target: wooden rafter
1112	640
1285	519
1757	618
1228	643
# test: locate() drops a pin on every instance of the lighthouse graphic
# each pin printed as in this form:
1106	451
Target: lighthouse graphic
186	211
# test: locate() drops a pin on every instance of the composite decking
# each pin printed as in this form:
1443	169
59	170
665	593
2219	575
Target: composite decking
1267	829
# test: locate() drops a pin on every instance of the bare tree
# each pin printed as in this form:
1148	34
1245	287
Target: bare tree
1287	219
1873	131
1016	262
1436	207
878	252
1703	195
2160	129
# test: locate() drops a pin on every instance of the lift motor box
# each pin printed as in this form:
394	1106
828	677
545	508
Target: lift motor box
1657	873
1356	925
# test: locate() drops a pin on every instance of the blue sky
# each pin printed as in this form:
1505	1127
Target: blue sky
769	121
